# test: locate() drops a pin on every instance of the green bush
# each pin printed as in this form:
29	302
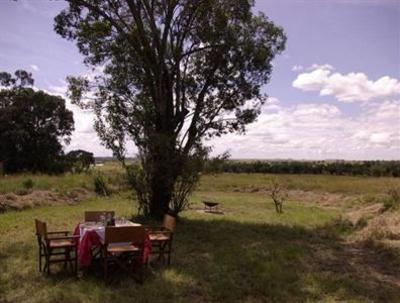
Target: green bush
393	199
28	184
100	185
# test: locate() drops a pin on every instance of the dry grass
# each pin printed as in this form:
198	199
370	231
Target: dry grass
29	199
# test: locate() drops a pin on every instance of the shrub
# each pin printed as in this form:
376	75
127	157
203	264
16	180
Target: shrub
393	199
100	185
185	184
137	180
394	193
278	194
28	184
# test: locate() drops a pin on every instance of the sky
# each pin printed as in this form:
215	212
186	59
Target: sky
334	91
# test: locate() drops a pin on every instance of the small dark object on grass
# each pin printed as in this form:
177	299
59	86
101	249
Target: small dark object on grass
211	206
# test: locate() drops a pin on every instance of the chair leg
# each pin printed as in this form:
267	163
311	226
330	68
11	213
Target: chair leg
161	253
105	268
48	264
66	257
141	274
76	261
169	252
40	259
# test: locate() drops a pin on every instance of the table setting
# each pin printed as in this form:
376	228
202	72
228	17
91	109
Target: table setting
91	238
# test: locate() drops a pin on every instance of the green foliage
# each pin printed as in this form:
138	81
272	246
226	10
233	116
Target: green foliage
347	168
100	185
388	204
32	126
187	181
28	183
21	78
79	160
216	165
170	72
394	193
393	197
137	179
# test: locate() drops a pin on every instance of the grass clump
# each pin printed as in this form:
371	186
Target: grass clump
392	202
28	183
100	185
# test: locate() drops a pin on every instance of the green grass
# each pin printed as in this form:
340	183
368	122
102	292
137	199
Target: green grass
222	182
322	183
249	254
61	183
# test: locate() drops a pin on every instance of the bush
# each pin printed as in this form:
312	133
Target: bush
28	184
278	194
393	199
100	185
137	180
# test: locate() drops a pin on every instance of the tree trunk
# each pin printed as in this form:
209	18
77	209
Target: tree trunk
160	198
163	175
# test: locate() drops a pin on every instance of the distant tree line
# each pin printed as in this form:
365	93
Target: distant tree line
344	168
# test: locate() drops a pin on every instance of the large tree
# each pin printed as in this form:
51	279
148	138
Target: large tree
169	74
32	125
80	160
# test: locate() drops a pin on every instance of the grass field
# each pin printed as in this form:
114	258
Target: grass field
248	254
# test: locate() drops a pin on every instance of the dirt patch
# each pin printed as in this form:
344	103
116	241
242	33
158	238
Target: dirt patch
11	201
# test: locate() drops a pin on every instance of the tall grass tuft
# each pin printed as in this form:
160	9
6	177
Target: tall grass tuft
100	185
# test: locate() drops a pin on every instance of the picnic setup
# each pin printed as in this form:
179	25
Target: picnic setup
105	242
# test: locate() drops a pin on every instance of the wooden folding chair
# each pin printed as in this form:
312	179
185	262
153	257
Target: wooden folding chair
56	247
94	216
123	248
161	238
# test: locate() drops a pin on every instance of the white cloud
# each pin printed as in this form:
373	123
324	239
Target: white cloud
34	67
84	135
319	131
320	66
297	68
351	87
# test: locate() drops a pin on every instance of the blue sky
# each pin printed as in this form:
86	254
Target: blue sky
334	93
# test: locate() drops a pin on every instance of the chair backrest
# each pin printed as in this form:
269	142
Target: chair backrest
169	222
94	216
41	228
131	234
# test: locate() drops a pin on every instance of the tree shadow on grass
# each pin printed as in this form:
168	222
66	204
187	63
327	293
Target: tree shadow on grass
236	262
228	261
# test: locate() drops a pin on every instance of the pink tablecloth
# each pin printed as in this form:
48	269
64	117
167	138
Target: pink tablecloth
91	239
